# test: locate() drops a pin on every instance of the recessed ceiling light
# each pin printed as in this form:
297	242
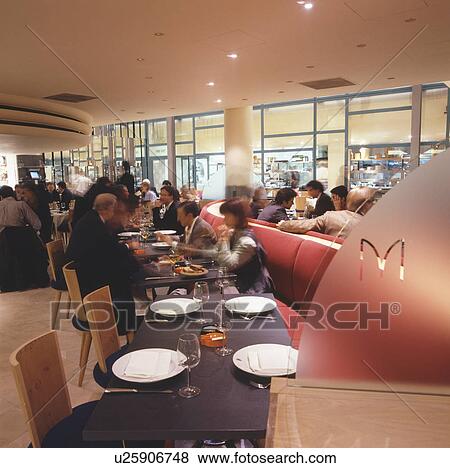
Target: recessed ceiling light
140	112
218	101
149	77
361	45
308	5
164	100
122	110
158	34
232	55
172	108
245	99
140	59
410	20
150	91
309	66
391	78
288	81
210	83
301	3
281	92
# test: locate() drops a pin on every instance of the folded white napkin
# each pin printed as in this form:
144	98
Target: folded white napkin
269	360
148	363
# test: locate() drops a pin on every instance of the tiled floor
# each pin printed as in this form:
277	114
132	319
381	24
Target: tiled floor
23	316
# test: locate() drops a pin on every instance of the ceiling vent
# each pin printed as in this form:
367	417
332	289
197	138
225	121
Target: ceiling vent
68	97
329	83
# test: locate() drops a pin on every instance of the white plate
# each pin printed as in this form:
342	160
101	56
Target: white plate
250	305
121	364
128	234
166	232
161	245
240	360
175	307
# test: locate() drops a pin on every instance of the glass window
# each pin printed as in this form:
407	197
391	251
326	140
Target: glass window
184	129
47	158
160	171
205	120
383	101
288	168
216	162
157	151
209	140
157	132
185	171
434	114
257	167
331	115
384	127
184	149
427	152
289	142
201	172
330	159
288	119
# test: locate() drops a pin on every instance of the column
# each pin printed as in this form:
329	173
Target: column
238	152
416	125
171	166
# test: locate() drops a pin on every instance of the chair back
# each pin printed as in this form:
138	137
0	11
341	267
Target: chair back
73	287
41	383
102	323
56	256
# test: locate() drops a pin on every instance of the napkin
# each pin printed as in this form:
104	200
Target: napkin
148	363
268	360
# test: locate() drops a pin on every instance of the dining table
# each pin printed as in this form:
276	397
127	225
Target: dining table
231	405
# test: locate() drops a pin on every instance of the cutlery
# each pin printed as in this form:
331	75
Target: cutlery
261	317
158	277
157	321
259	385
135	390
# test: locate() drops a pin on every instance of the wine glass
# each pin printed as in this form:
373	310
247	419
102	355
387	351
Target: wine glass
201	295
222	280
224	326
144	232
188	351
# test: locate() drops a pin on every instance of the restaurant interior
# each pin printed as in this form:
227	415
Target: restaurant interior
212	224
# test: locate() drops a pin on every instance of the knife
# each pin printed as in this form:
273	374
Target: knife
135	390
159	277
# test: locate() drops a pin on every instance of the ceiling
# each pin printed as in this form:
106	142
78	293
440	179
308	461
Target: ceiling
91	47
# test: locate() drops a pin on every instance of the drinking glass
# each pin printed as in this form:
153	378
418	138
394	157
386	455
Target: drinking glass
224	326
144	232
188	351
201	295
222	281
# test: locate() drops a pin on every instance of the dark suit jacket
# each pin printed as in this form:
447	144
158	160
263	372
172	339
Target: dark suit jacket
66	197
127	179
100	260
202	235
169	221
324	204
273	214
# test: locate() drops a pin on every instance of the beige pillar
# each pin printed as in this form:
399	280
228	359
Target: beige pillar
238	152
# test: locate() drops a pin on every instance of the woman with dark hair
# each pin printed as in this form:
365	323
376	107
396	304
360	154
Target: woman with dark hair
239	250
165	211
276	211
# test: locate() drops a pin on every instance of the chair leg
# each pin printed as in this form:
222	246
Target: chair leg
86	340
55	308
69	305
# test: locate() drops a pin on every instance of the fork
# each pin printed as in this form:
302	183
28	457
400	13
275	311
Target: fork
259	385
261	317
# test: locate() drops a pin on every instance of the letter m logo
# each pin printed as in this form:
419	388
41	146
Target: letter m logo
382	260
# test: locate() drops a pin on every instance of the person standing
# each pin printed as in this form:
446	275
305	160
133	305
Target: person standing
127	178
15	213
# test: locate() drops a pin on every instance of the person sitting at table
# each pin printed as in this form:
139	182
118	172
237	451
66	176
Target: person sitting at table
147	194
276	211
258	203
165	211
240	252
323	204
198	234
336	223
64	194
52	193
339	197
100	260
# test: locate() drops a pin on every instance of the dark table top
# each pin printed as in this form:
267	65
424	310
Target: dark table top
227	407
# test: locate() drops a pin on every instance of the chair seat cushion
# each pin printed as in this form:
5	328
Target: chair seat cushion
103	379
80	324
68	432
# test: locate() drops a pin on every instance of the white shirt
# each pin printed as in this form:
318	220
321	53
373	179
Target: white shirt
188	231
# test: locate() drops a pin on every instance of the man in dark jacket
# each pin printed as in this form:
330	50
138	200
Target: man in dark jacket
64	195
276	211
100	260
165	213
127	178
324	202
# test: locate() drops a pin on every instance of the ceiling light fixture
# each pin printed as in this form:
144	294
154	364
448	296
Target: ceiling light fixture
310	66
280	92
245	99
232	55
391	78
289	81
360	46
140	112
140	59
164	100
158	34
308	5
218	101
301	3
210	83
149	77
410	20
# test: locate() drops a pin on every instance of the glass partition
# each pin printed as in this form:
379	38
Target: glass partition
289	119
434	115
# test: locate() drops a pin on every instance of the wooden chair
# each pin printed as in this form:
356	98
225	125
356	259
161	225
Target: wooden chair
79	320
41	383
100	314
55	250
